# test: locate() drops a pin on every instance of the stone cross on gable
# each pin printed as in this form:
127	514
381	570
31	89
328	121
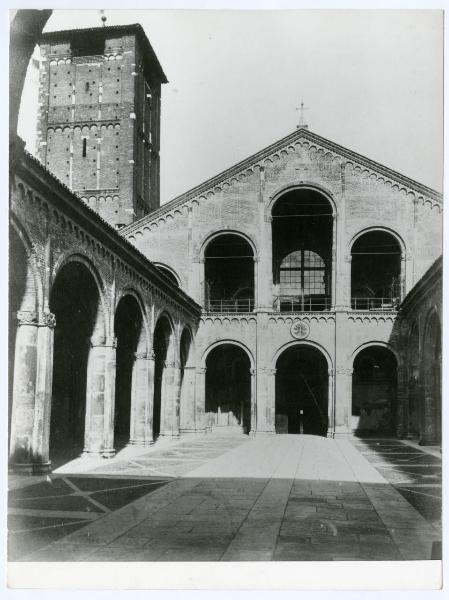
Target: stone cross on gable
302	124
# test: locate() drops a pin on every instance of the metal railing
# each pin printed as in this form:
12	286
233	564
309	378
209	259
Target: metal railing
243	305
374	303
302	303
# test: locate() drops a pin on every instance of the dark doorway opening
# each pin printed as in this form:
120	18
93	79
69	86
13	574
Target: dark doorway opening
74	300
128	328
374	384
228	388
302	391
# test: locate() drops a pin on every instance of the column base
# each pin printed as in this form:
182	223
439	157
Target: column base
170	435
340	435
95	453
257	432
108	453
193	431
31	468
429	442
140	443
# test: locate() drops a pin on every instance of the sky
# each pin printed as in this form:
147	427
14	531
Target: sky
371	81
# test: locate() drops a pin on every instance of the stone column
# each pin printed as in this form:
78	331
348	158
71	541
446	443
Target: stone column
265	407
200	399
335	261
170	400
100	399
343	402
253	396
44	381
402	404
188	408
141	433
330	404
264	266
33	370
428	434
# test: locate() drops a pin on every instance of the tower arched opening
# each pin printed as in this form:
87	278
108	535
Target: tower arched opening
229	274
228	388
301	404
375	271
374	389
128	327
75	301
302	251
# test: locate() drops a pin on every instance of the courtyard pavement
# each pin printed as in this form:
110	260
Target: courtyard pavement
232	498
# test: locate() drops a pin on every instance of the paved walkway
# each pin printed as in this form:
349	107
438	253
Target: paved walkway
283	497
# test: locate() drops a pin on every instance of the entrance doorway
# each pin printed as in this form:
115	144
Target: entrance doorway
302	391
228	388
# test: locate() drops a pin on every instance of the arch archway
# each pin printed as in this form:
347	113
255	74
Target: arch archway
169	273
302	238
229	273
162	348
301	400
431	367
228	388
75	300
130	334
376	279
374	389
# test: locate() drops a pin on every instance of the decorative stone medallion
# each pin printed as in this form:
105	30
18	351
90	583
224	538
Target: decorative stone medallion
300	330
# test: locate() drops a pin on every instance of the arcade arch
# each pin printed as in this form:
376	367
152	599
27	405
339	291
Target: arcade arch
302	391
302	234
374	391
228	394
229	274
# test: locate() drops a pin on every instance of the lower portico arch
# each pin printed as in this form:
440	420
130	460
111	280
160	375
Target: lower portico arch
303	389
228	383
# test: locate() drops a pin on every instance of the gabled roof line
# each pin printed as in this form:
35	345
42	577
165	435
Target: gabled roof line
254	158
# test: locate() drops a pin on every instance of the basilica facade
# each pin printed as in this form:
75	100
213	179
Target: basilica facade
296	292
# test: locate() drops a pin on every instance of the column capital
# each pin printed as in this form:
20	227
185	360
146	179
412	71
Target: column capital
344	371
201	370
253	372
267	371
140	355
27	317
48	320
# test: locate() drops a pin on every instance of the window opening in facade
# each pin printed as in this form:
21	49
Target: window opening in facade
375	272
229	275
302	251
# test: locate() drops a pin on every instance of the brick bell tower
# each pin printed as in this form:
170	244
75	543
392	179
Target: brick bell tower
99	118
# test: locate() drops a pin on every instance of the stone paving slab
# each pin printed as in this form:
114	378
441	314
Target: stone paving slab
271	498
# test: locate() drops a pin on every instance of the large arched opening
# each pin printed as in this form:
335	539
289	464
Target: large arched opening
163	333
375	271
75	300
229	274
302	250
431	363
301	403
228	388
374	389
130	335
